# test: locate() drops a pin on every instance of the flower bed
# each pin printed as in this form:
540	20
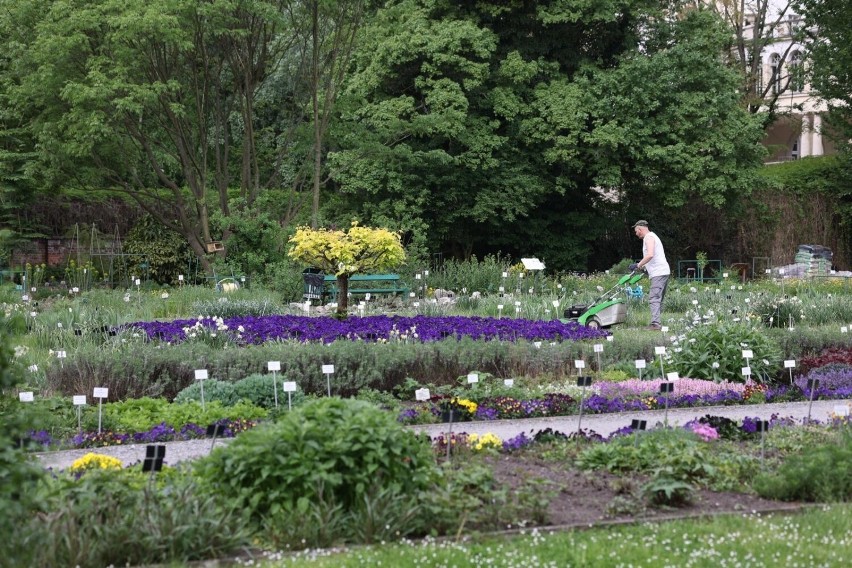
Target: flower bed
254	330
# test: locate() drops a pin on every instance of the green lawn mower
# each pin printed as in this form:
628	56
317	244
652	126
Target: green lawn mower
609	309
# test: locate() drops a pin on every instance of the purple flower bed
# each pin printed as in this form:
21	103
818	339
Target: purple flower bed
834	382
253	330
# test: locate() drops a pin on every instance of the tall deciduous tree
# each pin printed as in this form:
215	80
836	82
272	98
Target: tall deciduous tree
189	107
830	57
527	124
755	26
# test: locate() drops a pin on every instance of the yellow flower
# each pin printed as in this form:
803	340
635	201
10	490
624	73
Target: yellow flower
468	404
95	461
483	442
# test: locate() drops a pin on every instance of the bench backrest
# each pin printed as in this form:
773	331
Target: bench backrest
364	277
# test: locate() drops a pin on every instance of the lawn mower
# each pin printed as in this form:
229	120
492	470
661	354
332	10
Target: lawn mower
608	309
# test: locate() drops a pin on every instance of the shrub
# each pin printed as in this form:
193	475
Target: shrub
821	473
222	391
715	352
330	450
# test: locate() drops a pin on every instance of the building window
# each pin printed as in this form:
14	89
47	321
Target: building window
794	152
775	73
797	72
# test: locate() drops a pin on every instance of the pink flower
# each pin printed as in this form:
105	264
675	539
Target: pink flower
705	431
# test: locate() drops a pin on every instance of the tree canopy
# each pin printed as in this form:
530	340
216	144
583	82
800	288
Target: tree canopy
532	126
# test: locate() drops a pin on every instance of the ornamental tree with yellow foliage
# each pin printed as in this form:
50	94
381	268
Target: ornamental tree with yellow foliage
344	253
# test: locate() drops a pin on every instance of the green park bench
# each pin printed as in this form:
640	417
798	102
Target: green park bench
367	284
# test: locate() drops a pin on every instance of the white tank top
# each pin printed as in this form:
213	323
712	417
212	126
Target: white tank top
657	266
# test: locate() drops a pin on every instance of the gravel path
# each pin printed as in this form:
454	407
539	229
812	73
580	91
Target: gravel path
603	424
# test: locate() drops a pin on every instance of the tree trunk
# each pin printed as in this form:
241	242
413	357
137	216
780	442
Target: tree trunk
342	294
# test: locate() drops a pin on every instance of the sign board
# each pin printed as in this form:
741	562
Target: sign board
598	347
422	394
472	378
746	371
79	400
673	376
579	364
289	386
789	364
101	392
640	363
25	396
748	354
327	369
200	374
532	264
274	365
509	382
660	350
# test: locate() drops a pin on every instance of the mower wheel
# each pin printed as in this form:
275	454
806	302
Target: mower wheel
593	323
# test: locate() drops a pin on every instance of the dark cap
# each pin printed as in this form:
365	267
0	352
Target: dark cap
640	223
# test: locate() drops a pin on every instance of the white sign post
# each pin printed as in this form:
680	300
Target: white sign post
25	396
640	364
100	393
79	402
789	364
328	370
472	379
201	375
422	395
661	350
289	387
274	366
598	350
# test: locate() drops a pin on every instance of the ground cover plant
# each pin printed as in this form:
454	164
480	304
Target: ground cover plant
489	483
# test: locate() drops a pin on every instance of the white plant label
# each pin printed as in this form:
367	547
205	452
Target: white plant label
101	392
289	386
844	329
79	399
25	396
673	376
660	350
472	378
422	394
180	277
664	329
499	306
417	277
748	354
138	282
61	354
509	382
598	347
328	369
200	374
274	365
505	275
580	364
537	344
502	289
746	371
640	363
789	363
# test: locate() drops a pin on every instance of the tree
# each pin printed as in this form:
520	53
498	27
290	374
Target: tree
344	253
755	26
830	58
188	107
536	125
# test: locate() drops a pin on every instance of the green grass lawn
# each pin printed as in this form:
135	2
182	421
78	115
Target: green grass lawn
817	537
